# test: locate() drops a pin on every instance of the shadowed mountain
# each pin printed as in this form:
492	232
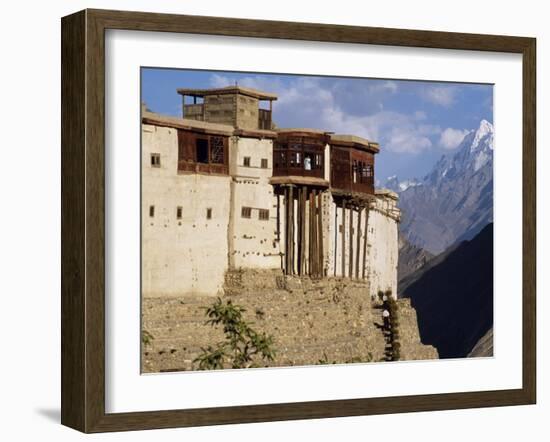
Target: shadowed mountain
484	347
453	295
411	258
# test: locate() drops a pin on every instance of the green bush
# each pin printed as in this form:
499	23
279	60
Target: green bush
243	346
146	337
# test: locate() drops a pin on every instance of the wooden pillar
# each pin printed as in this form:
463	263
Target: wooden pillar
357	262
365	240
335	238
303	194
343	247
320	264
291	229
312	234
351	242
287	228
298	227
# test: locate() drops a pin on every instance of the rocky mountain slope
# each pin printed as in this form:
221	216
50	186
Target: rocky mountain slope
453	296
484	347
455	200
411	258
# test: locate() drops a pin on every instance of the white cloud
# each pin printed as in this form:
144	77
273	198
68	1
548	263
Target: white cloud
320	104
440	95
450	138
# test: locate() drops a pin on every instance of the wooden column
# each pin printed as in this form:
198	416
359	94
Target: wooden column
287	228
313	236
365	240
291	229
320	265
303	195
298	226
351	242
335	238
357	262
343	247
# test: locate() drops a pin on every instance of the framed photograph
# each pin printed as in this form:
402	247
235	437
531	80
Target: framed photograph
267	220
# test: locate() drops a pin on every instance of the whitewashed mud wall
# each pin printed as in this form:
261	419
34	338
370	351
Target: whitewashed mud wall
252	242
187	255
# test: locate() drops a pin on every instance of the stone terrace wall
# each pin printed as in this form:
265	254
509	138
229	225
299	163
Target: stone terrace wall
311	320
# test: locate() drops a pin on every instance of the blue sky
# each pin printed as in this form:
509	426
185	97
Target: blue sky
414	122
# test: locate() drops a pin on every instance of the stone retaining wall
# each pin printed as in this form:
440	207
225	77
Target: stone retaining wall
329	320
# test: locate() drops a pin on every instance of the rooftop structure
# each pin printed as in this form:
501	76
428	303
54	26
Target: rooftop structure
234	105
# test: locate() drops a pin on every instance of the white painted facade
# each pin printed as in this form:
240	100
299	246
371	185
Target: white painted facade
196	226
187	255
252	241
382	247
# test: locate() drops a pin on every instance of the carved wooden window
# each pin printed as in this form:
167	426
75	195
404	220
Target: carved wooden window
202	153
216	150
246	212
369	171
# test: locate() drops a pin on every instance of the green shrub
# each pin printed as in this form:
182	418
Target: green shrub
243	346
146	337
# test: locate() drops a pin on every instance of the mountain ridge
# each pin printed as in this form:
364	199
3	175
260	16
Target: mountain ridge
454	201
453	296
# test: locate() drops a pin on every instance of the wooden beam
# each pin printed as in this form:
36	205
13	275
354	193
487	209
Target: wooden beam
303	195
357	262
298	225
351	242
291	229
320	234
335	238
313	236
343	238
287	228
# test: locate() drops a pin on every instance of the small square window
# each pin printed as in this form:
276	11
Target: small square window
209	213
264	163
246	212
263	214
155	160
246	162
152	211
179	212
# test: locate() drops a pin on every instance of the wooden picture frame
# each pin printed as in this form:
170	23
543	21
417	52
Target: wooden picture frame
83	220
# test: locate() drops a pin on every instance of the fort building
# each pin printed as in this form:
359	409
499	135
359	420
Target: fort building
224	189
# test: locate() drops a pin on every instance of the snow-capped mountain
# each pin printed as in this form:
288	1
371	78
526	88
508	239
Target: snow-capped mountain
393	183
455	200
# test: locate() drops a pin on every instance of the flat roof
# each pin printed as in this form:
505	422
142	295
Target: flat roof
354	141
184	123
203	126
236	89
305	130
